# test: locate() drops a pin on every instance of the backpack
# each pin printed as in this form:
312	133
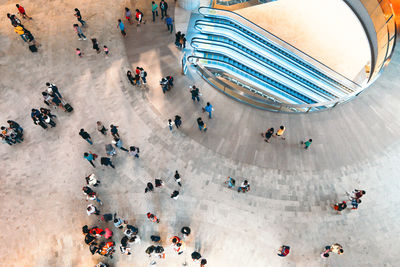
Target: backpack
145	74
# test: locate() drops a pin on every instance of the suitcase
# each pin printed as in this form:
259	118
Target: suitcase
33	48
68	107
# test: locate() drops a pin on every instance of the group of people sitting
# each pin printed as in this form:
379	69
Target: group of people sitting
12	134
105	248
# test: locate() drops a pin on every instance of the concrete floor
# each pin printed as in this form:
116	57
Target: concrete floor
356	145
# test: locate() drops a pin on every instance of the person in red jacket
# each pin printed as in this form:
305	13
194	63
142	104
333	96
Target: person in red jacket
21	10
139	17
152	217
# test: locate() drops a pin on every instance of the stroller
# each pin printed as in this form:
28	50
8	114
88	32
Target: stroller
110	150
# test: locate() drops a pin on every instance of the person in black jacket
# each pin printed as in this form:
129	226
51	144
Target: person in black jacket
86	136
163	7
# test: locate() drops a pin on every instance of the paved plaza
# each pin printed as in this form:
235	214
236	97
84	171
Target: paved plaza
355	145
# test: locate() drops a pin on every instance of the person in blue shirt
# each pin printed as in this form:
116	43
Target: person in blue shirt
121	26
169	22
209	109
90	157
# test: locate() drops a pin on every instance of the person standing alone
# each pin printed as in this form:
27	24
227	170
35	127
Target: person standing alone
86	136
163	7
79	17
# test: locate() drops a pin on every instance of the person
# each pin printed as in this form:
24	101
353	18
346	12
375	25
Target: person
96	231
201	124
306	143
128	15
49	121
15	126
118	143
170	26
203	262
21	32
175	194
92	180
158	182
325	252
21	10
177	177
130	77
284	251
139	17
86	136
152	217
78	52
185	231
52	89
208	108
164	85
196	256
90	157
106	162
244	187
280	132
79	17
38	118
143	75
90	194
134	151
124	248
178	121
355	202
118	222
79	32
6	140
177	38
194	91
114	131
231	182
121	27
163	7
91	209
149	188
14	20
339	206
106	51
47	112
355	194
137	76
96	45
154	10
182	41
337	248
170	124
268	134
150	250
30	38
101	128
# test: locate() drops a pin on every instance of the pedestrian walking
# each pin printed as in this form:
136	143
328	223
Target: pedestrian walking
163	7
106	51
90	157
196	256
49	121
170	24
244	187
268	134
78	52
149	188
355	194
22	12
175	194
79	32
203	262
143	75
170	124
134	151
114	131
96	45
85	136
52	89
130	77
178	121
139	17
101	128
106	162
118	143
154	10
14	20
194	91
152	217
164	85
91	179
79	17
339	206
91	209
91	195
158	182
128	15
280	132
283	251
177	38
230	182
201	124
306	143
185	231
337	249
121	27
208	108
177	177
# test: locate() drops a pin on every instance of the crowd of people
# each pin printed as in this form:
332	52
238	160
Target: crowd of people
12	134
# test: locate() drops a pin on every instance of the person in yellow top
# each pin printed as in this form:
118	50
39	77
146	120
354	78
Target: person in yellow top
21	32
280	132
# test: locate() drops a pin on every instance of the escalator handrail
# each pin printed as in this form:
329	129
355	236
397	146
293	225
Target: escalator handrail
277	38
